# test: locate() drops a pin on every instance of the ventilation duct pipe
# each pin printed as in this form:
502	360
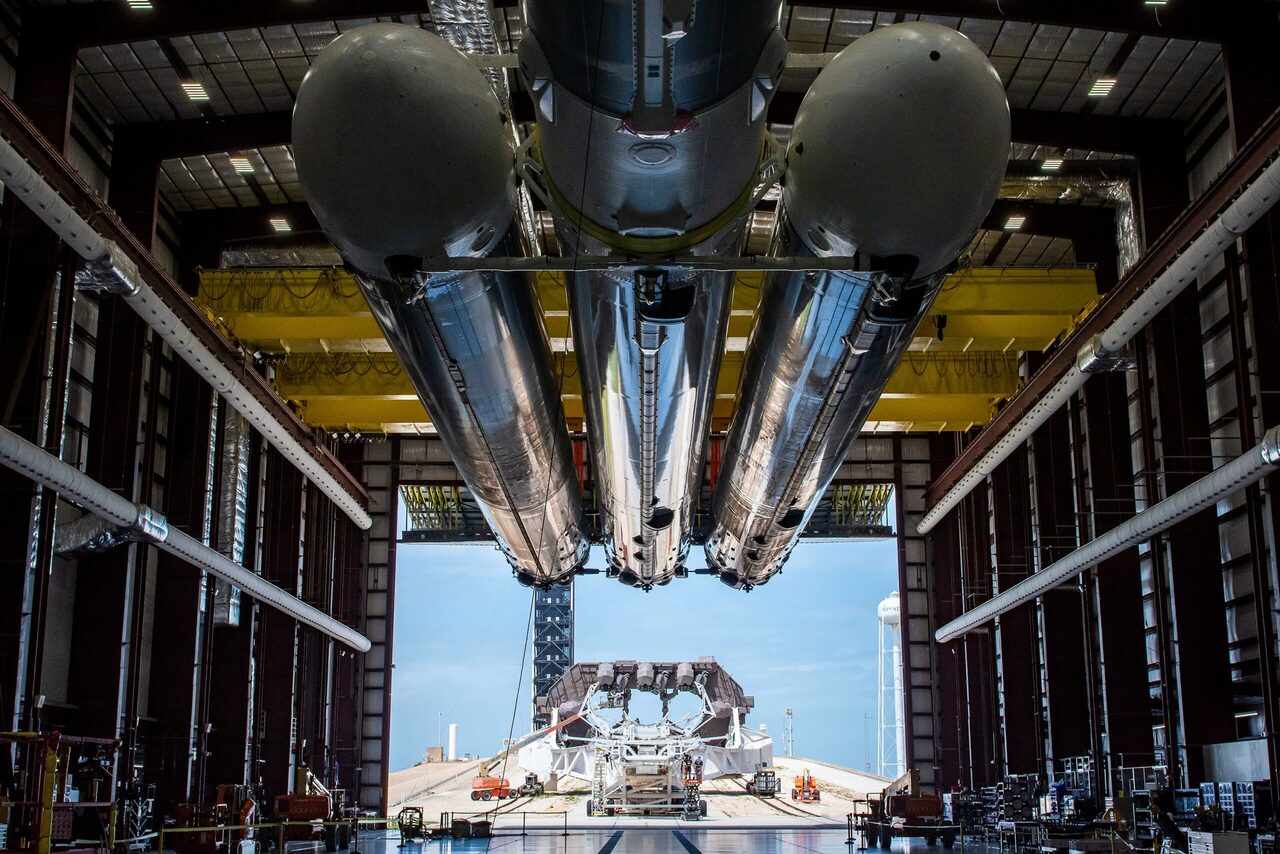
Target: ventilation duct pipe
109	268
1239	216
1246	469
34	463
233	512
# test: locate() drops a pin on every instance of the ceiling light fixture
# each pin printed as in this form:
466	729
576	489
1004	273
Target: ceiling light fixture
1051	164
1246	714
1102	87
280	224
139	4
242	165
195	91
1156	2
1014	223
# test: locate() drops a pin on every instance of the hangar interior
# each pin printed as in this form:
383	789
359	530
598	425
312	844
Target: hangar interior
210	437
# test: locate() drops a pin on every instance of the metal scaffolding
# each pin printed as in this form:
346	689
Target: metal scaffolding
552	641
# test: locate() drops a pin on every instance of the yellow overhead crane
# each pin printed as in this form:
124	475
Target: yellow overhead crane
340	372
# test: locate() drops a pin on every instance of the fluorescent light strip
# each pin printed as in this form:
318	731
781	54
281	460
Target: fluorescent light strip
195	91
1102	87
1014	223
1051	164
139	4
281	225
242	165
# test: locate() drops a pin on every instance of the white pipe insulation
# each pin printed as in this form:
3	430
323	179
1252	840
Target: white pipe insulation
33	462
1252	203
1246	469
110	266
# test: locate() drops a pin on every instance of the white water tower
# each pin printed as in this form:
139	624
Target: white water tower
891	740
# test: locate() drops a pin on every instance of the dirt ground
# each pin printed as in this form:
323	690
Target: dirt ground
446	787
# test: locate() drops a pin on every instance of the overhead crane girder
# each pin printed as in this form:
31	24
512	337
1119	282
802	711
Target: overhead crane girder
341	374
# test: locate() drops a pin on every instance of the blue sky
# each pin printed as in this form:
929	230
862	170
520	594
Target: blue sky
807	639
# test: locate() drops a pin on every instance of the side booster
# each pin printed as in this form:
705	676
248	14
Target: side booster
401	146
651	131
898	152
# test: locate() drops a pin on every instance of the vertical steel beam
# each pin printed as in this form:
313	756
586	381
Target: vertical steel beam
943	548
347	602
51	428
105	583
1016	642
30	258
1263	592
44	85
910	457
1117	583
1056	535
1197	606
1253	93
979	651
1090	629
381	477
275	648
135	192
178	592
228	697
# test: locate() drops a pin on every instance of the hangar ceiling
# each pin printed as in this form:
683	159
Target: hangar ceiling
129	80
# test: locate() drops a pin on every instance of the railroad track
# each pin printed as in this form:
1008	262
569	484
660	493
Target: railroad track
776	803
510	806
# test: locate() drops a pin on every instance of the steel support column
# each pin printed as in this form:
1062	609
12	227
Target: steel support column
347	606
1253	93
1116	585
276	645
1194	563
963	679
1062	630
1016	642
175	662
229	705
30	256
986	750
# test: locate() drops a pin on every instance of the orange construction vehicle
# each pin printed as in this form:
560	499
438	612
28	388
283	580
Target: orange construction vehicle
489	788
805	788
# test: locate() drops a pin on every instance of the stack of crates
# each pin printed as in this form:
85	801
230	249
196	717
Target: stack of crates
990	806
963	808
1017	800
1245	805
1227	799
1253	801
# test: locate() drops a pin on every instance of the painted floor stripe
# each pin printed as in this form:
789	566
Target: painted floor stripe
684	840
612	843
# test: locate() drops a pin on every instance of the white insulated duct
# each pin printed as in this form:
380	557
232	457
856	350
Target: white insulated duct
1240	215
108	266
1246	469
33	462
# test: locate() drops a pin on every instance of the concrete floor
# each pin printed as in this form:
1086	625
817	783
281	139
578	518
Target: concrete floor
619	839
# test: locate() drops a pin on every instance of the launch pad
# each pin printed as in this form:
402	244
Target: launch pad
646	767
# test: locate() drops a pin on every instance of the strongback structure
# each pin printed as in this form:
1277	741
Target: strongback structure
552	641
1074	455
